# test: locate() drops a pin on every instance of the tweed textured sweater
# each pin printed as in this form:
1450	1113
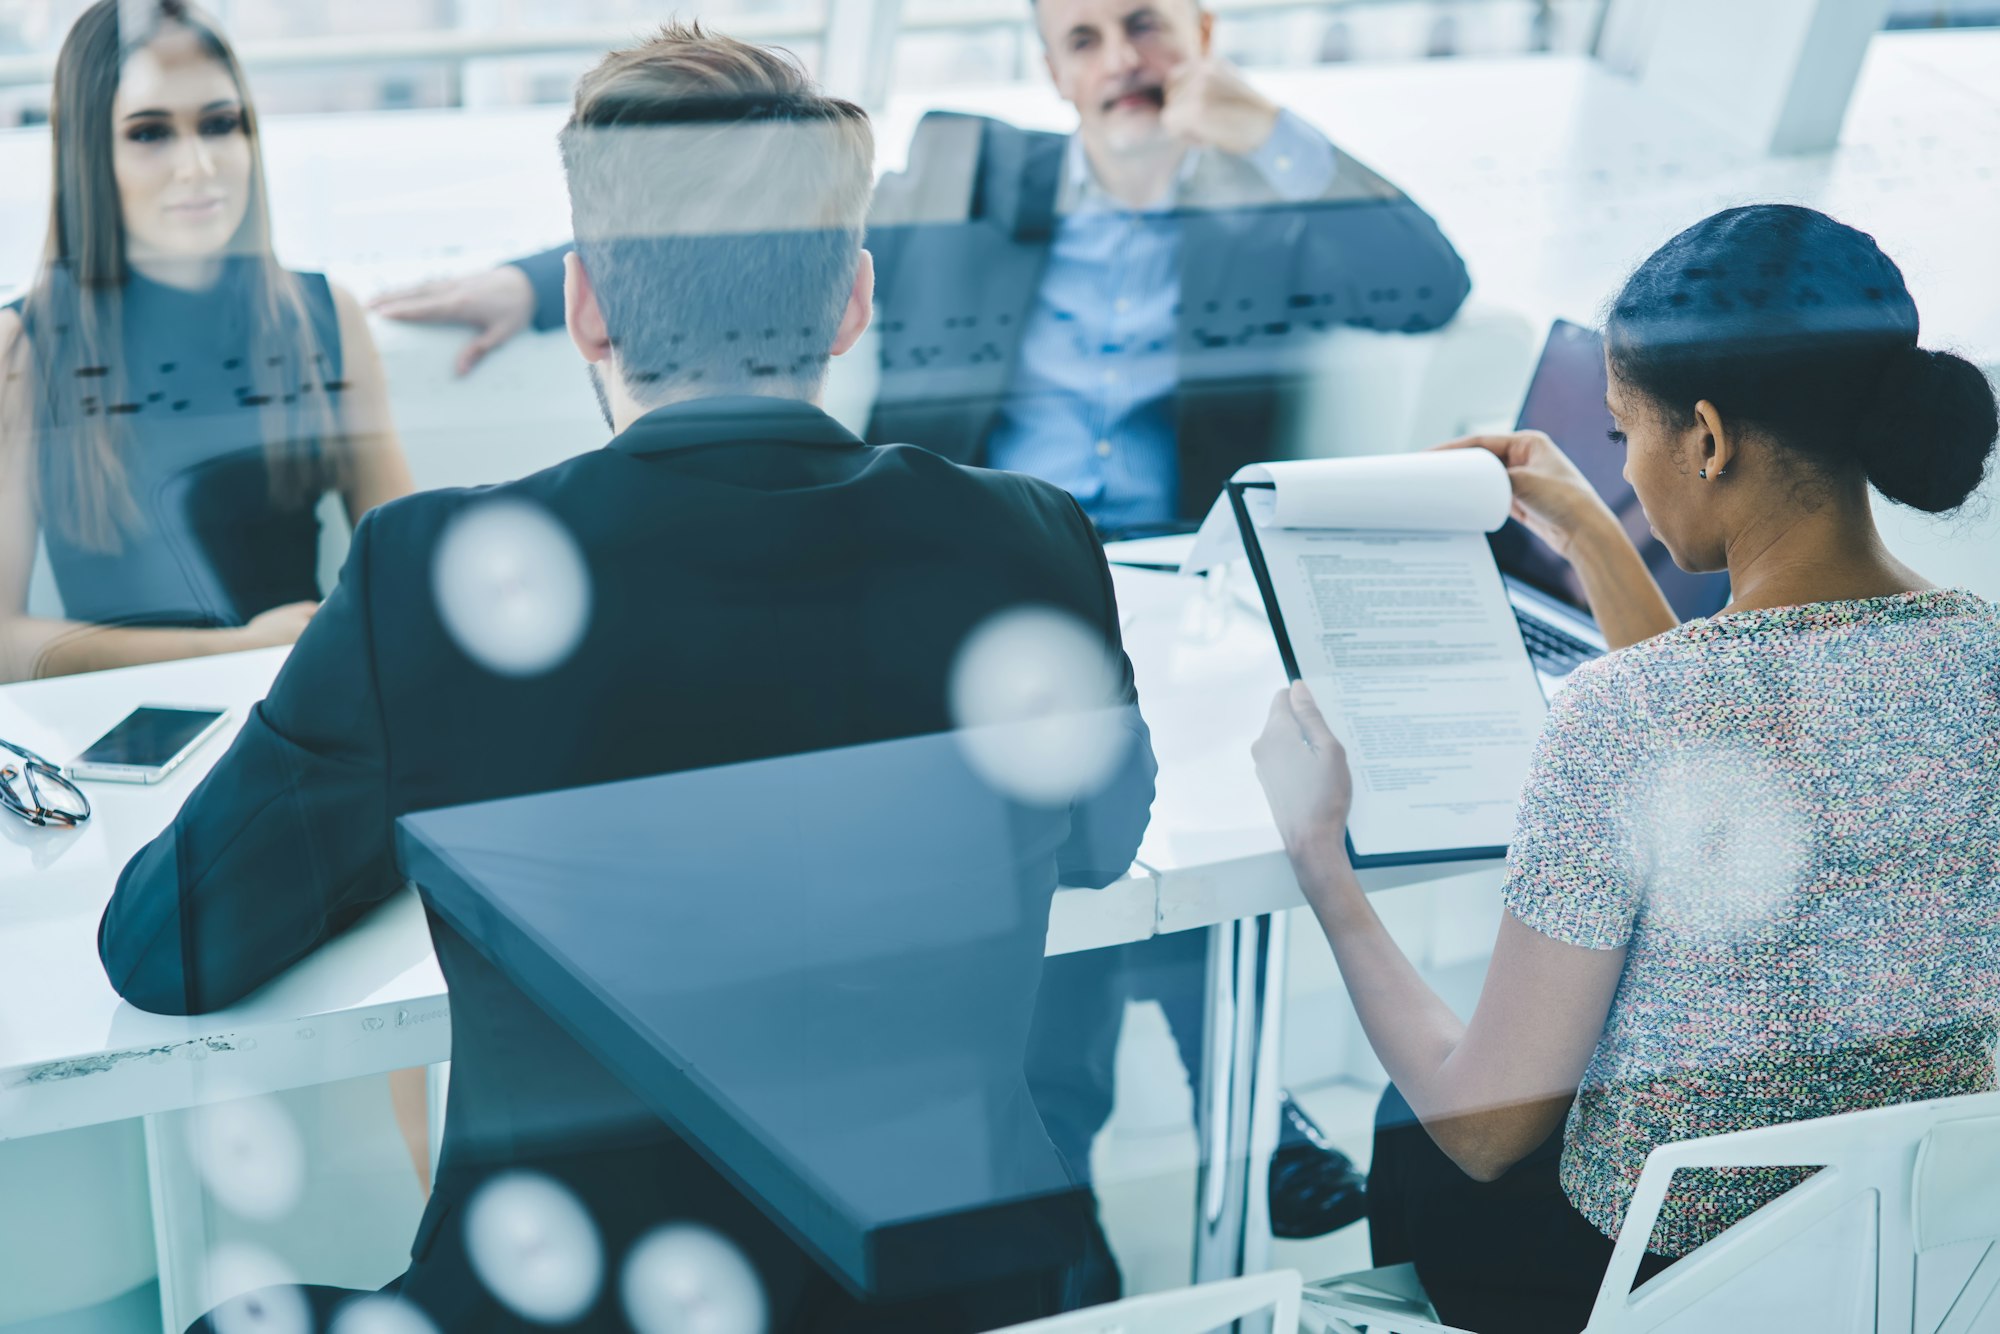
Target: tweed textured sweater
1790	821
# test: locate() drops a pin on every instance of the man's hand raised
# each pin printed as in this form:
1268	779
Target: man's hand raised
1209	103
497	304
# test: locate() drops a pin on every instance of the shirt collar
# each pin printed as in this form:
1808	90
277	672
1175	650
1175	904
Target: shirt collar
733	419
1083	193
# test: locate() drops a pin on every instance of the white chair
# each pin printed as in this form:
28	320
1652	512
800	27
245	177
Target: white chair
1197	1310
1899	1233
528	406
44	599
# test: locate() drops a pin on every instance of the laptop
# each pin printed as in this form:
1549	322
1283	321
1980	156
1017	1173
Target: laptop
1566	402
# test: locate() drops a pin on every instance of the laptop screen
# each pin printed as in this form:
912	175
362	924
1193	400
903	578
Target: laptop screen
1566	402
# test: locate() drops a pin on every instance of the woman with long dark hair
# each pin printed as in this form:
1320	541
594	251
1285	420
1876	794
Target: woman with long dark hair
1752	878
175	401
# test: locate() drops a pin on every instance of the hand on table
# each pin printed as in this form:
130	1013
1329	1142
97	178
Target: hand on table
1209	103
1303	770
497	304
280	626
1551	494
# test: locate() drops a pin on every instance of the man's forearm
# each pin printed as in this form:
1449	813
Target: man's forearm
194	923
1365	239
1296	161
1107	828
1388	260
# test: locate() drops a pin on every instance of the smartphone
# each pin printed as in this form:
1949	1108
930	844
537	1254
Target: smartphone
151	742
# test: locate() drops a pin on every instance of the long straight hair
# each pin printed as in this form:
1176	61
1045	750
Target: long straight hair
82	415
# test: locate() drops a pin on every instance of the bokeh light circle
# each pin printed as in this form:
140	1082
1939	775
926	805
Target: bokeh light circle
534	1247
263	1295
250	1156
380	1314
512	587
1739	837
1035	698
688	1279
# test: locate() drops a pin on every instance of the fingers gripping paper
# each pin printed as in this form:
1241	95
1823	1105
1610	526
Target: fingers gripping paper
1385	599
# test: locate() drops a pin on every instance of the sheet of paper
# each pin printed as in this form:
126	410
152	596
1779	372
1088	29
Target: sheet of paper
1409	644
1456	491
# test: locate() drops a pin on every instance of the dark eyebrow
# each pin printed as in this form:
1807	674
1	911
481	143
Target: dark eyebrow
160	113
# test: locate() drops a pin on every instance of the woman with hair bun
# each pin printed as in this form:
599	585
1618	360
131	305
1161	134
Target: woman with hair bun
1755	874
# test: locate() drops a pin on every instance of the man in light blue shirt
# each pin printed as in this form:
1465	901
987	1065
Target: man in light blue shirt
1127	310
1092	404
1123	310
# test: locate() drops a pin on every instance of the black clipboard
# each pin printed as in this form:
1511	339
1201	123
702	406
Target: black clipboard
1253	549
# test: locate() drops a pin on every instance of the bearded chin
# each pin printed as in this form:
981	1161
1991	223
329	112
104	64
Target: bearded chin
603	399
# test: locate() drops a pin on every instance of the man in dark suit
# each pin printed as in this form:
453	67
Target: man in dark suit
1129	312
760	583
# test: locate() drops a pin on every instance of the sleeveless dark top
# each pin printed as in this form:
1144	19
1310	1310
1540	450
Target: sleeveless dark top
212	546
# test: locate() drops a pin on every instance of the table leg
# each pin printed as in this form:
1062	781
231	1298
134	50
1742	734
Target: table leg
180	1221
438	1083
1240	1091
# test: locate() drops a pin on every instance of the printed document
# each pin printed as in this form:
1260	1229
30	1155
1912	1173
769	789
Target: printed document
1397	619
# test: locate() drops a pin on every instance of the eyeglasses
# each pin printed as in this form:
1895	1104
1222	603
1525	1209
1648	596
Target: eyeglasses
36	791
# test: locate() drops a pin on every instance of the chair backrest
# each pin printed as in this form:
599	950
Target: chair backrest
44	598
1196	1310
1897	1233
527	407
1390	393
239	556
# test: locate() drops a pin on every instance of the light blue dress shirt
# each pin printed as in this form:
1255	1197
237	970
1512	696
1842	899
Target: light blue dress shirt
1092	404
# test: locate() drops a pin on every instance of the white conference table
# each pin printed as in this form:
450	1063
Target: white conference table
72	1053
1552	175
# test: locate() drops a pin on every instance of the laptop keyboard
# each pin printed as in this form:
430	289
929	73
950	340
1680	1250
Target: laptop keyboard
1553	652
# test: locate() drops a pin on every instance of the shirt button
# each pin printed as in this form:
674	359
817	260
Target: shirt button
1284	163
1111	377
1104	449
1123	304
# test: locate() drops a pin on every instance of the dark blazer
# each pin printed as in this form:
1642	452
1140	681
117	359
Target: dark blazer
961	238
762	584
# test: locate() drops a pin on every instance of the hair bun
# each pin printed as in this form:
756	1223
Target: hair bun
1927	440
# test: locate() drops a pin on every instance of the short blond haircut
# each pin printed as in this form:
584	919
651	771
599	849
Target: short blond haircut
719	200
